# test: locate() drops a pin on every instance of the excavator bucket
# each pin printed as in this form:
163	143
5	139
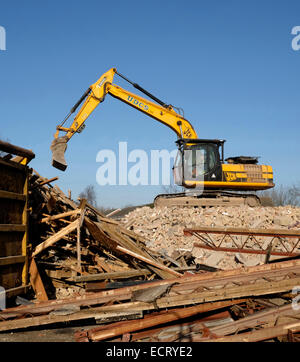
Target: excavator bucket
58	148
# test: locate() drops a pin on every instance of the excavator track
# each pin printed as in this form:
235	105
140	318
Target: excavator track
209	199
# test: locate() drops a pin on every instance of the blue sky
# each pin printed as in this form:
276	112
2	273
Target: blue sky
229	64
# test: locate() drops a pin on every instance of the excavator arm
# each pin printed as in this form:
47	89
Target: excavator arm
96	93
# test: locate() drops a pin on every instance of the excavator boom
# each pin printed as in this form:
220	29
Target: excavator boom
96	94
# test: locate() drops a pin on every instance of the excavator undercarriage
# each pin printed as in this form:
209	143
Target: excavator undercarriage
210	198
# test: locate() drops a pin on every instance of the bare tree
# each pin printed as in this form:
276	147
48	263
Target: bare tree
284	195
90	195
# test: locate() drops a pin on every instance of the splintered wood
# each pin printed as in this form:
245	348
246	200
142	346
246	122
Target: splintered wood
74	239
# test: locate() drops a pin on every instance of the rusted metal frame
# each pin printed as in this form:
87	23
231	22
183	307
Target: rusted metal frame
232	240
224	237
205	240
202	238
211	242
222	240
212	245
240	231
250	233
194	326
280	239
124	293
101	297
190	291
191	286
281	243
252	321
296	245
256	242
270	246
252	289
293	337
115	329
248	237
246	251
161	303
210	239
261	334
197	324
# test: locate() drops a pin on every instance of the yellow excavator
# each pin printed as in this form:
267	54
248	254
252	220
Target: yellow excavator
199	166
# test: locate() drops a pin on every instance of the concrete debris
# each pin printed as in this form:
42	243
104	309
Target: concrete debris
163	228
283	220
250	260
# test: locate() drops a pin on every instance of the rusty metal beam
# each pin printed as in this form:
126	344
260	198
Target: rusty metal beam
243	231
153	334
258	319
261	334
247	251
116	329
204	234
183	283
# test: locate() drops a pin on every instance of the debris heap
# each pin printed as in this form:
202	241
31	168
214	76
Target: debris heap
74	243
163	228
144	279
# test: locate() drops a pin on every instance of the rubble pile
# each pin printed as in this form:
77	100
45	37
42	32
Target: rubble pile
163	228
73	243
145	278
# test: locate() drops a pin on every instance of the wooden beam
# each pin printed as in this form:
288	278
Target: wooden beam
79	224
45	182
12	164
36	282
149	261
54	238
59	216
113	213
12	195
112	275
15	150
12	227
9	260
16	291
120	275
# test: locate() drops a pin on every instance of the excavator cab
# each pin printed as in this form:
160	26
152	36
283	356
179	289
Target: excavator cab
198	160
